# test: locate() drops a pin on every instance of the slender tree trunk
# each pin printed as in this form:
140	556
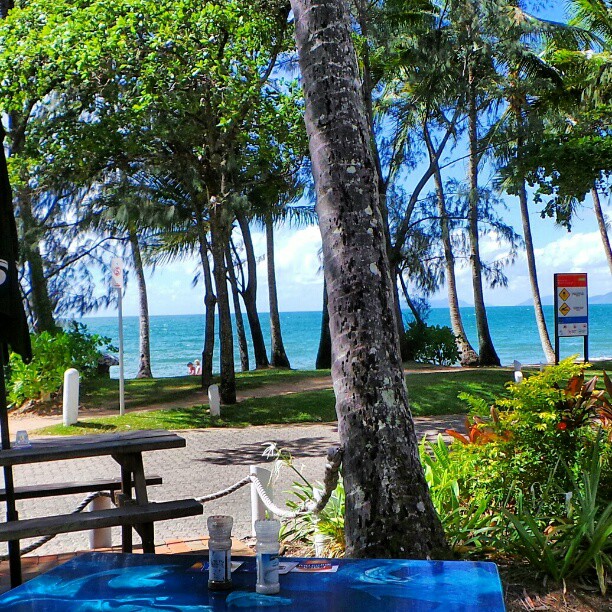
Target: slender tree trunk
549	352
242	342
219	232
486	351
144	366
415	313
603	230
386	490
210	301
249	296
278	357
468	354
324	352
42	307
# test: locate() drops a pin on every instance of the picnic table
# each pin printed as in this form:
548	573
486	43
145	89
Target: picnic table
108	581
126	449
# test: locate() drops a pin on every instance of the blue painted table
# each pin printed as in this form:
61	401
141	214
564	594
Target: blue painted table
127	583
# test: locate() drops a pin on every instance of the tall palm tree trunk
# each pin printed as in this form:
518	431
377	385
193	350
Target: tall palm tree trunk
601	222
324	353
547	347
144	366
468	355
278	357
219	233
210	301
249	295
386	489
487	355
549	351
242	342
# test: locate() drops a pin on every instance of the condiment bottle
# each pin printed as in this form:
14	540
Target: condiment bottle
267	548
220	552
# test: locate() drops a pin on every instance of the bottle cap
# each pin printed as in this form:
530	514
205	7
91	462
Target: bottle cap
267	528
219	523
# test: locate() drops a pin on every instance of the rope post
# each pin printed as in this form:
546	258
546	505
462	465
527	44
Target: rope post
100	538
258	508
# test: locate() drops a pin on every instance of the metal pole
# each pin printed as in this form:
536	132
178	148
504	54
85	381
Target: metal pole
121	378
9	486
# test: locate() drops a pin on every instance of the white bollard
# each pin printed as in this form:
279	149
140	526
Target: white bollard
258	508
214	401
100	538
518	375
71	396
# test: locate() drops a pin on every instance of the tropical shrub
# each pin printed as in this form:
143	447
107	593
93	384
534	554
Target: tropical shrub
574	542
429	343
550	418
53	354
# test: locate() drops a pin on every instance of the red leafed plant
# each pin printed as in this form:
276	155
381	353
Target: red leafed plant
582	403
480	431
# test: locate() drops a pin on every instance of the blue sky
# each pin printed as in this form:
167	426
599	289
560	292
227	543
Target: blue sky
300	283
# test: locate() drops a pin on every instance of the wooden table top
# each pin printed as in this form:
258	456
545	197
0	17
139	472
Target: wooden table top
76	447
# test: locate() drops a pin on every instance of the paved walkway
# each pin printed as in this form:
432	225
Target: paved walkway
212	460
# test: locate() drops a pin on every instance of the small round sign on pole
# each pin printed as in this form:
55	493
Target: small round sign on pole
117	272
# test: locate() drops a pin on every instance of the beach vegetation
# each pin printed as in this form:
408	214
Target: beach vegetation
53	354
430	344
519	488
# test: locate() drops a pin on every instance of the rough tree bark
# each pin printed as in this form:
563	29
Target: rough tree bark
601	221
468	355
278	356
249	295
219	232
144	366
487	356
388	510
242	342
324	353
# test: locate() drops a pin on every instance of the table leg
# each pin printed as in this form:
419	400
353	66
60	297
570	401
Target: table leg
11	515
126	489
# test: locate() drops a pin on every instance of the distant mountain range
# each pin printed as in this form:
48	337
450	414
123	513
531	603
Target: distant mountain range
549	300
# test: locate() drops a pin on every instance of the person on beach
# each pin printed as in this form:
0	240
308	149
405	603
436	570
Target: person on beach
197	367
191	369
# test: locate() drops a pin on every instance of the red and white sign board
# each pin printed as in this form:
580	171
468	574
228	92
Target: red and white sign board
117	272
571	305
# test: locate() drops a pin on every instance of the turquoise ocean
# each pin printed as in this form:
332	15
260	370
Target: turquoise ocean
177	339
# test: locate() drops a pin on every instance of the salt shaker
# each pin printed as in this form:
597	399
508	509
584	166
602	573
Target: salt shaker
220	552
267	556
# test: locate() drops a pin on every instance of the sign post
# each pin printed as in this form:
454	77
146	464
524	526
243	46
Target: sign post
117	283
571	310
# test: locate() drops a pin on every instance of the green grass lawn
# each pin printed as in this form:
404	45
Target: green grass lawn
431	393
143	392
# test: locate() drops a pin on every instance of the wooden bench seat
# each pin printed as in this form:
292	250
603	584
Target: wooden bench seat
132	515
72	488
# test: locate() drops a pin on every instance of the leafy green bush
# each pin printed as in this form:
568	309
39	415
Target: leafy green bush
532	476
580	539
546	419
429	343
53	354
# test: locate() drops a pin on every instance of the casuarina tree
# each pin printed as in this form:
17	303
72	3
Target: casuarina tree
388	511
